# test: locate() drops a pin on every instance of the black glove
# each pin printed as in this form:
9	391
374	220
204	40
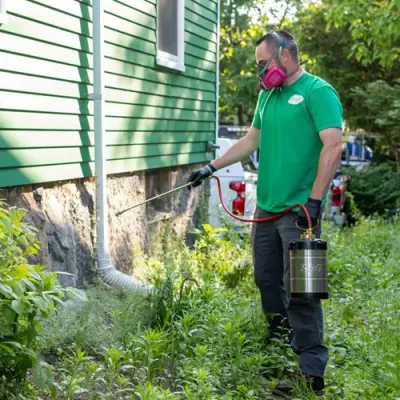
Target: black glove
197	177
313	207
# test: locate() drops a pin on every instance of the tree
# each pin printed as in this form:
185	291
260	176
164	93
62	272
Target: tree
368	92
374	27
380	112
242	23
326	53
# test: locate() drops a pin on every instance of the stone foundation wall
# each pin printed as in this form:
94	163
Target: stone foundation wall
64	215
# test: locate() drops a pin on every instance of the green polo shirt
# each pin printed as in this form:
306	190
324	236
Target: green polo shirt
290	119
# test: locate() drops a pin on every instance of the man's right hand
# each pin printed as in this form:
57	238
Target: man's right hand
199	175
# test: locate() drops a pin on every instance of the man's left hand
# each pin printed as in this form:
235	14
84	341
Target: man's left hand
313	207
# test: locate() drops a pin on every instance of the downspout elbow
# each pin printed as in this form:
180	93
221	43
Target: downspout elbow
111	276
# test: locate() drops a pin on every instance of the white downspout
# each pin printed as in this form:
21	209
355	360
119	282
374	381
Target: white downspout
217	71
106	270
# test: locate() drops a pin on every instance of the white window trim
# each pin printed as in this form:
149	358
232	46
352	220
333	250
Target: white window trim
170	60
3	12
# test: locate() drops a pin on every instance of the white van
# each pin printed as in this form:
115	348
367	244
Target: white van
238	184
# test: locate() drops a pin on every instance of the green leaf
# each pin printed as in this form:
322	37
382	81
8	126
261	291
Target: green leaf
23	322
391	365
29	284
341	352
6	290
21	271
19	287
114	355
55	298
9	314
53	389
8	349
7	226
40	303
13	344
31	332
35	274
18	306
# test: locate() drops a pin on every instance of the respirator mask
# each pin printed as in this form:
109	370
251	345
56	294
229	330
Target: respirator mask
270	78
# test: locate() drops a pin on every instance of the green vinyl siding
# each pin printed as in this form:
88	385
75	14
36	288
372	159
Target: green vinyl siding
155	117
49	139
51	156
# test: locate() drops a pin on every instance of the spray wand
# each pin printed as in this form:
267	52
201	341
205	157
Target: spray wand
307	234
153	198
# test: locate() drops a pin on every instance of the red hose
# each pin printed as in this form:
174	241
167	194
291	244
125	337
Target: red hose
257	220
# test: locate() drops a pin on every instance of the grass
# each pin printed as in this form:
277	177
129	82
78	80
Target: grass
362	317
202	336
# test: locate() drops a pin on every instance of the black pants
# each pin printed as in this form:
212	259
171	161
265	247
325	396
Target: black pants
272	276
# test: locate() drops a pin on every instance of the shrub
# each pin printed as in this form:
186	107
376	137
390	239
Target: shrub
220	250
376	189
27	294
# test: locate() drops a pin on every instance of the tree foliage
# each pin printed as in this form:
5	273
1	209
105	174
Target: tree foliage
242	23
326	53
238	88
367	89
353	45
376	189
374	26
379	105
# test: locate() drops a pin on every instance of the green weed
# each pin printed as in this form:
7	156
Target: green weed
203	334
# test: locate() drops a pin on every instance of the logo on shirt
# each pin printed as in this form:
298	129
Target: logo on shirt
296	99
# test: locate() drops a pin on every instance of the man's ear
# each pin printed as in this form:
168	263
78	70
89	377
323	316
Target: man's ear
285	56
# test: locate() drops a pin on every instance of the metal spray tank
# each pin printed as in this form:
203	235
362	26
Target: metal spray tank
308	267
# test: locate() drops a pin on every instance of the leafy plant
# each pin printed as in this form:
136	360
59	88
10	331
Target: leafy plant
28	293
114	362
148	391
376	189
73	372
216	251
149	348
209	341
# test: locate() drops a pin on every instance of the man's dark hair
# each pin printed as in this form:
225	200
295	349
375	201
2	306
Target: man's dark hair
282	38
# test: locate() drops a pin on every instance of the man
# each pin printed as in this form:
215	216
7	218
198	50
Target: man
297	127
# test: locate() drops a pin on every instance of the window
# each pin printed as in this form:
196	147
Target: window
170	34
3	12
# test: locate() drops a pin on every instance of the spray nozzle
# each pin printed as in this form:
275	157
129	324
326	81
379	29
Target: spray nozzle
308	234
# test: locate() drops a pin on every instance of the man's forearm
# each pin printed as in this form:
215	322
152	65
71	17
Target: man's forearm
239	151
328	163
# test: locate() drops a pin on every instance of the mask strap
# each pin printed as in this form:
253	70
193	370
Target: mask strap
281	64
270	94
